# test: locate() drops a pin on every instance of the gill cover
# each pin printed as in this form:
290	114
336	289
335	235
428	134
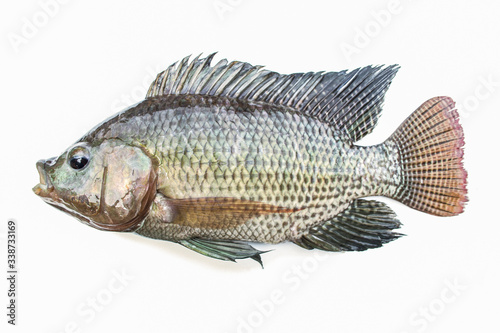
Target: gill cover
128	187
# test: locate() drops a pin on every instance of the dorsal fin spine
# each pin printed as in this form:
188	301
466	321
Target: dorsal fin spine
237	78
265	83
166	77
211	77
186	77
311	82
201	68
245	80
229	76
179	78
232	70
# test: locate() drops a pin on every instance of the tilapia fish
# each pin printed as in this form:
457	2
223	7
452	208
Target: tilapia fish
220	155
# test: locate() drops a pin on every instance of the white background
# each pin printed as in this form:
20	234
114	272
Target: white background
88	59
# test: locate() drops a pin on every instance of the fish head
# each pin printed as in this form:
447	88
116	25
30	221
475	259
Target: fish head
109	186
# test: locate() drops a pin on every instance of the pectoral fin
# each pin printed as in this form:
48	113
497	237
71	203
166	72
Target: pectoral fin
227	250
218	212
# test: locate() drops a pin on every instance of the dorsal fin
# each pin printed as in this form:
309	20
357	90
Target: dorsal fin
350	101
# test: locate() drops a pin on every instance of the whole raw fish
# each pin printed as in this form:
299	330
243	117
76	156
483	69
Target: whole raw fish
217	156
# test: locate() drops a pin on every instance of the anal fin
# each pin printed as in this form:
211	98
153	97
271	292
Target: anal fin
227	250
366	224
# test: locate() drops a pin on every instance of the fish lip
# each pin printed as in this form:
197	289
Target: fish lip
45	187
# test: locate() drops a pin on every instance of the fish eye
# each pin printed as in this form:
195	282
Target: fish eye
78	157
78	162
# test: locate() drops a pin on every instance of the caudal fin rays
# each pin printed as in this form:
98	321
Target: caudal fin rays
430	144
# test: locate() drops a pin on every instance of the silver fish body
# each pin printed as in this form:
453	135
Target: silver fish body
221	147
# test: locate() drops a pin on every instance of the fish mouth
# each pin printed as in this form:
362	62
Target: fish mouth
44	189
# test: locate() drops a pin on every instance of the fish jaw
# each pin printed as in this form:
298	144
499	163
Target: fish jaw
45	189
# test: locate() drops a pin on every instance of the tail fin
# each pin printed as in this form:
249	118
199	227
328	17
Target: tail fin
430	145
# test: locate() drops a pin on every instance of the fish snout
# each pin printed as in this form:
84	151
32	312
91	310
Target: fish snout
48	162
45	186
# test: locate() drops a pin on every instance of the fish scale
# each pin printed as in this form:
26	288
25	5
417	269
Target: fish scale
312	176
